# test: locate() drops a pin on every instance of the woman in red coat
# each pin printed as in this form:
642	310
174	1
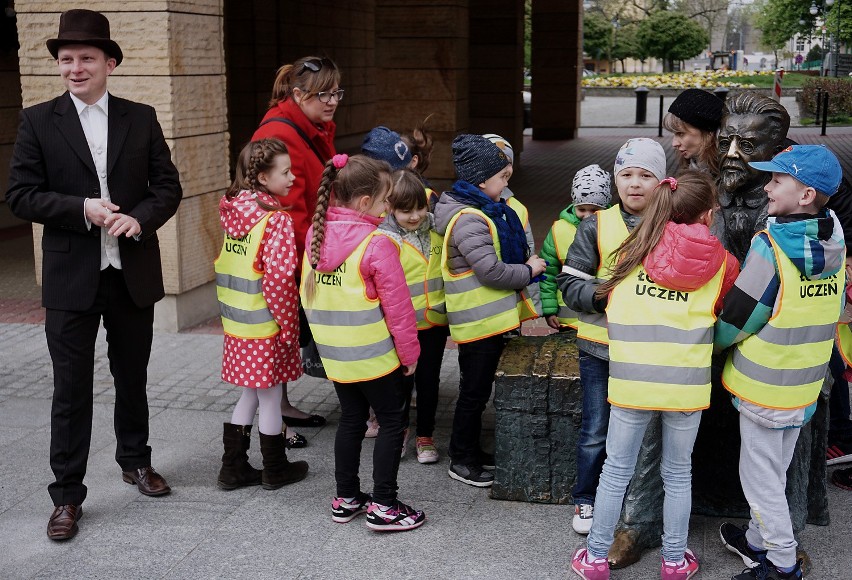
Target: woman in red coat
305	96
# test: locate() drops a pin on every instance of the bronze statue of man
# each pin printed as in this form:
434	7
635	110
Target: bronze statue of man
753	128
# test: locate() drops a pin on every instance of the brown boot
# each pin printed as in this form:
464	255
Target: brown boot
236	470
277	470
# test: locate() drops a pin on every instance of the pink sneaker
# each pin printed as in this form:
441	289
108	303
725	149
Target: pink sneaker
591	569
686	568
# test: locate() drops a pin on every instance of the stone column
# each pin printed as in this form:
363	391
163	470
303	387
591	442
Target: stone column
10	104
422	60
496	70
173	61
557	62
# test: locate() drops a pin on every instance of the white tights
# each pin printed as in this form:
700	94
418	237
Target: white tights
268	400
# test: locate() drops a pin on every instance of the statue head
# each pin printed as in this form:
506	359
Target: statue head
753	129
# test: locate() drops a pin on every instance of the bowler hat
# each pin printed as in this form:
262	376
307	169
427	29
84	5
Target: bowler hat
87	27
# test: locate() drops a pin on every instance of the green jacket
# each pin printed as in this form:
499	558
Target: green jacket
554	265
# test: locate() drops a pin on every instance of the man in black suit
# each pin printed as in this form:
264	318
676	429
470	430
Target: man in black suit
95	170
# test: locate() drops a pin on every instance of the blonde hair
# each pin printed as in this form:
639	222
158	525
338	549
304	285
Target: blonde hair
299	76
709	153
695	194
359	177
255	158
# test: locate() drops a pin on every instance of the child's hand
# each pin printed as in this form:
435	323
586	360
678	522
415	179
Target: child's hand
552	321
407	371
537	264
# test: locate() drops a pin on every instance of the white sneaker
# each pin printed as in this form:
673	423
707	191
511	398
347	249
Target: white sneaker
372	428
426	452
583	517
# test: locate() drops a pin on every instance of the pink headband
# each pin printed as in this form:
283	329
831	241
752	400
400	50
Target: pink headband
671	181
340	160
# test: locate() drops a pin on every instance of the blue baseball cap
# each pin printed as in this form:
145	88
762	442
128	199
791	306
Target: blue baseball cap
814	165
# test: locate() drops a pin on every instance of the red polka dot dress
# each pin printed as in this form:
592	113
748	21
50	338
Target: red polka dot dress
266	362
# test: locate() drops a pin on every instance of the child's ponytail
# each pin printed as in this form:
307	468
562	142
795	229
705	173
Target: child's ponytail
681	201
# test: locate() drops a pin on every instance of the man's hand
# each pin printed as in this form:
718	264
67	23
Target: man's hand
119	223
98	210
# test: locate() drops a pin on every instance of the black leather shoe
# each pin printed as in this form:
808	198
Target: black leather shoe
62	524
312	421
297	441
147	480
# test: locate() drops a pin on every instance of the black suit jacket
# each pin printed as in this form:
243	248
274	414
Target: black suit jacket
52	171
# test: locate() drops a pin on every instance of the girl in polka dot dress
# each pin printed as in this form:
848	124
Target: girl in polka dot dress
258	299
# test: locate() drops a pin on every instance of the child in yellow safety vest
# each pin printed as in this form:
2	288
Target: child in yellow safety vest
486	266
590	192
356	300
639	167
408	220
258	298
663	294
780	318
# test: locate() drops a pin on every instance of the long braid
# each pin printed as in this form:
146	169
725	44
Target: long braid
318	223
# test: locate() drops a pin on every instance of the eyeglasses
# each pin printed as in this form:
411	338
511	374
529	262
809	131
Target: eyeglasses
315	65
325	97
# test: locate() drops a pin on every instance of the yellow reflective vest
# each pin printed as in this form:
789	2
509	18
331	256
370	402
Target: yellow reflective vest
562	233
349	328
425	282
612	231
783	365
476	311
661	361
844	342
239	287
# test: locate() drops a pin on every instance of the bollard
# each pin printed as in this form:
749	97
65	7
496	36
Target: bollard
721	92
824	111
641	104
818	97
776	85
660	125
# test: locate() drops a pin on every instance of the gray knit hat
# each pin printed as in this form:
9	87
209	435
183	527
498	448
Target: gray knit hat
385	145
591	186
476	158
641	152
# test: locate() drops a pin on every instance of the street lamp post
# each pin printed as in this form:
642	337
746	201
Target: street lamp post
814	10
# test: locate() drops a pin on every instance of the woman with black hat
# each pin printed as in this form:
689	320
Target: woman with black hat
693	119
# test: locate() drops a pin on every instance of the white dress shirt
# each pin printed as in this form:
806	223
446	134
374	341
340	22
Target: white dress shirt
94	119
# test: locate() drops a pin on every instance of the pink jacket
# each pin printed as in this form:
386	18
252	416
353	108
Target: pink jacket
687	257
380	269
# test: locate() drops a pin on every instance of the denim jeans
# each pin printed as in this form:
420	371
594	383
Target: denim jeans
626	430
591	444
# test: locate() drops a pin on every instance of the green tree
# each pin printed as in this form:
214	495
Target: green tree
671	37
626	44
597	35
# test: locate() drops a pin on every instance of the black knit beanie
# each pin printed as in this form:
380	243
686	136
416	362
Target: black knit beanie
476	158
699	108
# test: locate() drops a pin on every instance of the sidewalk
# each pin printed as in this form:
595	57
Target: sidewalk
200	532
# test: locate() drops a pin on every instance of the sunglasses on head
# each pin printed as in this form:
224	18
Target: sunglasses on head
315	65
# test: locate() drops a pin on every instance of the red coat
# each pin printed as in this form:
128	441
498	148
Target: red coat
301	201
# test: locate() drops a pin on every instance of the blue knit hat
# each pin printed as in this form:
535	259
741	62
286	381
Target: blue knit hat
476	158
385	145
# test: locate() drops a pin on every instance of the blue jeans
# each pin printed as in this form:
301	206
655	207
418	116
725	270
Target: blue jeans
591	444
626	430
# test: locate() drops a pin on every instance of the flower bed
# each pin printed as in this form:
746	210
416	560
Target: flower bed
681	80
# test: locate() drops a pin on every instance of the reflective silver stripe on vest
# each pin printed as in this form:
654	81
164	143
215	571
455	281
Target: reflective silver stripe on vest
420	314
344	317
463	285
780	377
797	336
356	353
441	308
239	284
416	289
565	312
659	374
245	316
505	304
596	319
657	333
